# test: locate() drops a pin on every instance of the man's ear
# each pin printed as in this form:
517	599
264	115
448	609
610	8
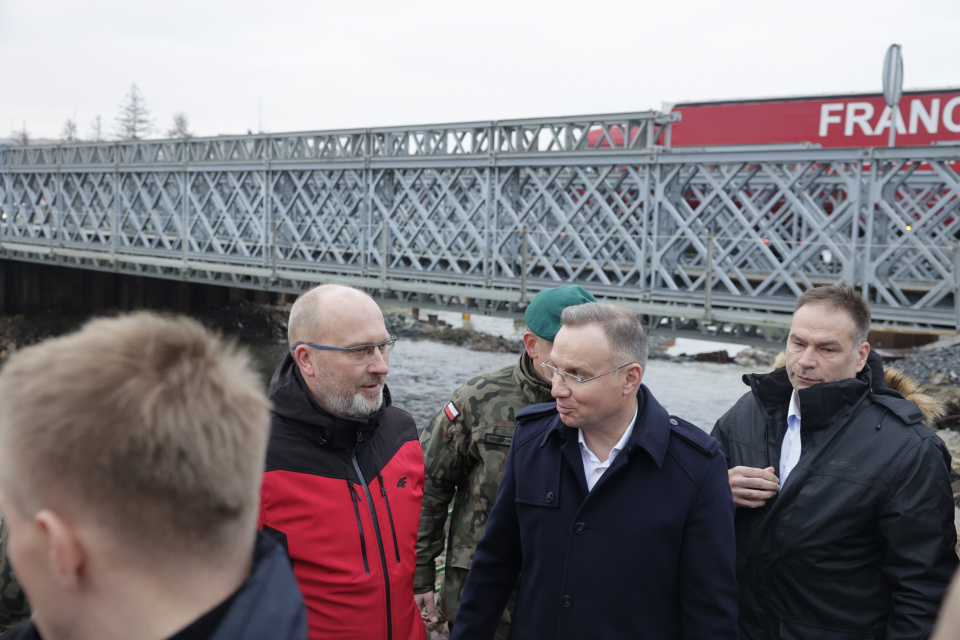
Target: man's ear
632	377
65	550
862	352
302	355
531	343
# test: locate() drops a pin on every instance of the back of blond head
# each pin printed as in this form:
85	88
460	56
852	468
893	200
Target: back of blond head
151	425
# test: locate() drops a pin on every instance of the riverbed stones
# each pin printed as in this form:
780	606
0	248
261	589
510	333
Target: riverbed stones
757	358
436	330
937	366
718	357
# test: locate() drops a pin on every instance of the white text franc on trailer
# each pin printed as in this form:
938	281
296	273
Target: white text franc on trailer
860	114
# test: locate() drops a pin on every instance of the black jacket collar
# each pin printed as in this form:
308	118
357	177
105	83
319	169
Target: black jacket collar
651	432
293	401
267	605
822	404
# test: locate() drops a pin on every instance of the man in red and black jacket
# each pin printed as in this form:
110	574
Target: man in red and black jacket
344	474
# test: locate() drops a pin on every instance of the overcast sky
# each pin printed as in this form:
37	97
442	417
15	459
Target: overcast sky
296	65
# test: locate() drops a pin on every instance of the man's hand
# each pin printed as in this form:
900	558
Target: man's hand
752	487
428	609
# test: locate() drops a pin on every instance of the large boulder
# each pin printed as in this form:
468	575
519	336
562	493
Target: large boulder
757	358
720	357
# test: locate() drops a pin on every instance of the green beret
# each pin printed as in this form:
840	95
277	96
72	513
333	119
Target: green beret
543	313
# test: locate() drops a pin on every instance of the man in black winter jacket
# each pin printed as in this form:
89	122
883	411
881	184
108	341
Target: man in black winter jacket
844	516
131	456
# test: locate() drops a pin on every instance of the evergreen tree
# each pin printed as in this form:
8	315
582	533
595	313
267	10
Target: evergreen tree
134	121
69	131
180	128
96	129
21	136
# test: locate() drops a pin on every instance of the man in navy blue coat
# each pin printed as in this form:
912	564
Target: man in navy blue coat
617	516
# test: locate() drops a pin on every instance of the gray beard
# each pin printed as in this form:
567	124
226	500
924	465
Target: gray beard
355	406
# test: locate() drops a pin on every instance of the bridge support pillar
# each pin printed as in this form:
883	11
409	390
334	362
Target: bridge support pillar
131	293
182	296
96	289
28	298
65	292
208	297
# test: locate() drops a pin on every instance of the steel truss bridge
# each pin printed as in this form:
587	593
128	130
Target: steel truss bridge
478	217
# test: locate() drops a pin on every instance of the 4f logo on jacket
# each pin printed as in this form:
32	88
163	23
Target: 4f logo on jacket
402	483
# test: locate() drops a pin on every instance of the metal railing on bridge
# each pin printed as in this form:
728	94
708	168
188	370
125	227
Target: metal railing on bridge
479	216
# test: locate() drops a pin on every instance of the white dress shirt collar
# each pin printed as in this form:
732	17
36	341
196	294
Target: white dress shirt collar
790	449
593	469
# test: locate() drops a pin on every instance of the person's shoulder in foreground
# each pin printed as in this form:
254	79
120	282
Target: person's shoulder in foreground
131	454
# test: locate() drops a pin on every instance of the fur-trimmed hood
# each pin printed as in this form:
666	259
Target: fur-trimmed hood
929	404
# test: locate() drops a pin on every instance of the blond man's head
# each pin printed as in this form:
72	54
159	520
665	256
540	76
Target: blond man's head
149	425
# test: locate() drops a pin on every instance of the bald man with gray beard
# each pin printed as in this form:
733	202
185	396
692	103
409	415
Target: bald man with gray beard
344	476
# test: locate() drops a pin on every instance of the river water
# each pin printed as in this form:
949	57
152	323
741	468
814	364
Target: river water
424	374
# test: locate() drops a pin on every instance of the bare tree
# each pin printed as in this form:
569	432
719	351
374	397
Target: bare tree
96	129
134	121
69	131
180	128
21	136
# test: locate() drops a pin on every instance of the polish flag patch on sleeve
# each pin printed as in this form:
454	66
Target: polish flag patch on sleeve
451	412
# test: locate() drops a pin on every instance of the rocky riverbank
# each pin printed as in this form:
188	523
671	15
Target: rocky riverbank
938	369
402	325
245	322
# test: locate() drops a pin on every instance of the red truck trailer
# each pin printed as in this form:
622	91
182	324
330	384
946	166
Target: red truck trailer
864	120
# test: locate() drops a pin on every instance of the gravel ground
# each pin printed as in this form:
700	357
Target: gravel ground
936	366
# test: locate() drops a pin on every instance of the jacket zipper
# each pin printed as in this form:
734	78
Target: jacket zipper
376	530
393	529
356	512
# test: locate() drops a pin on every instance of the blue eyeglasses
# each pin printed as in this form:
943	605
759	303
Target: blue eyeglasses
361	354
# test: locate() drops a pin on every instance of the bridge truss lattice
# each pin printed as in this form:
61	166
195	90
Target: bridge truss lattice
478	217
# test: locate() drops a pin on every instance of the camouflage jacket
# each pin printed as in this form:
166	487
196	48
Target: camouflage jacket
464	450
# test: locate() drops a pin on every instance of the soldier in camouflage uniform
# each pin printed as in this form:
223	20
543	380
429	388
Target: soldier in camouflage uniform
464	450
13	603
